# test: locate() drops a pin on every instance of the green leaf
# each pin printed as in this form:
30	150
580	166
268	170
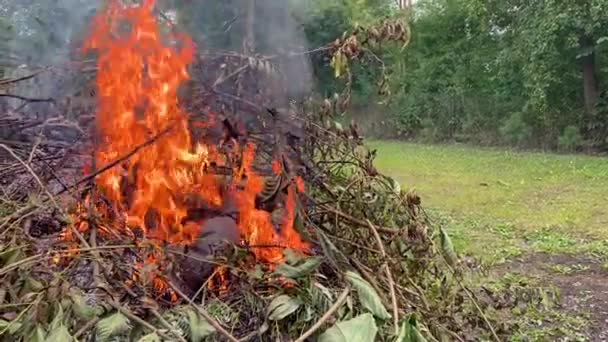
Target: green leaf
112	325
59	334
359	329
447	248
305	268
291	257
38	334
10	256
368	296
282	306
14	327
4	324
57	319
82	309
153	337
199	326
33	285
409	331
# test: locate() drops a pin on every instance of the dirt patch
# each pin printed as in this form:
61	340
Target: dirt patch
582	281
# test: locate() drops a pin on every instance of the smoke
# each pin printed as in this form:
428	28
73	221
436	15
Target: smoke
42	34
46	34
252	27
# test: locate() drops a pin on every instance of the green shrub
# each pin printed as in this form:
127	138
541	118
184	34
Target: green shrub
570	138
515	130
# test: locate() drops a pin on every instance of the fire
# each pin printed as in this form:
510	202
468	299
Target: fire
137	81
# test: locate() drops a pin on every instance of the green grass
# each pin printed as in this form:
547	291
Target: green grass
495	203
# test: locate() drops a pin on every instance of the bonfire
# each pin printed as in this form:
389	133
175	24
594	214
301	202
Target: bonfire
185	225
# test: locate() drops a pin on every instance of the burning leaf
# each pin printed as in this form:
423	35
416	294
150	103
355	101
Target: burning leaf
359	329
447	248
114	324
282	306
82	309
59	334
198	327
368	297
409	331
153	337
305	268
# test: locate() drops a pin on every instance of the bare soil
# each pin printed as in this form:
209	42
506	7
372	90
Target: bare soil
583	290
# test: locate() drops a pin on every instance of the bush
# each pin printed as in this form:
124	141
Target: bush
570	138
515	130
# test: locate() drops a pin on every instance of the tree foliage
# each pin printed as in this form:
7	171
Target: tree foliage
525	73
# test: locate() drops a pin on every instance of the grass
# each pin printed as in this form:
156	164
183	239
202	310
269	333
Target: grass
498	203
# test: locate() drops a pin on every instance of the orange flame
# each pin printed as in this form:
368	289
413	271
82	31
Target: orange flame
137	81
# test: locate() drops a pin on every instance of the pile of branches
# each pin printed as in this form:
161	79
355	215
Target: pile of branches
378	268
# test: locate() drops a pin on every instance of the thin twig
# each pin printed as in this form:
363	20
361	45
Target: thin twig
88	325
341	299
371	280
359	222
91	215
29	169
167	326
203	313
471	297
27	99
138	320
389	276
41	256
19	79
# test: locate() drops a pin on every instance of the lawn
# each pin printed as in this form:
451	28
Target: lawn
498	203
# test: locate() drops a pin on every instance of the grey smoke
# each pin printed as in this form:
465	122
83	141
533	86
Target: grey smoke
42	35
46	34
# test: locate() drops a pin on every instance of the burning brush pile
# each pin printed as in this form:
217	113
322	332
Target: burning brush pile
195	222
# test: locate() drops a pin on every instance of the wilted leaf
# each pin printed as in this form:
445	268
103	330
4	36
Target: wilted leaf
368	296
306	267
10	256
282	306
338	63
338	126
153	337
82	309
409	331
447	248
199	327
112	325
33	284
396	186
359	329
59	334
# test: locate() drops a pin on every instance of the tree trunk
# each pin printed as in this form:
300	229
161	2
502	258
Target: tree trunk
591	86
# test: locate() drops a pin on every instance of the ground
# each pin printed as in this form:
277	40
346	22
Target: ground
536	215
